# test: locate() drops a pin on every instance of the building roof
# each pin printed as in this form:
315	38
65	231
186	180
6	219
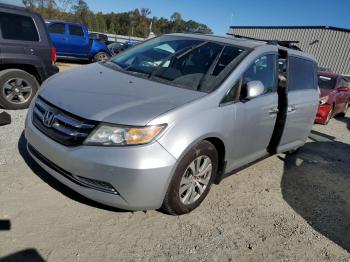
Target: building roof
295	27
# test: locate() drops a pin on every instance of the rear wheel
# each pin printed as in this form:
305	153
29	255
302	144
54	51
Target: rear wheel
101	56
192	179
17	88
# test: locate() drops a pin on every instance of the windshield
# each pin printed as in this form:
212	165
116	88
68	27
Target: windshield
326	82
185	62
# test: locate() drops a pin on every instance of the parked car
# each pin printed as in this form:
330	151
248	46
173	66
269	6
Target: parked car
27	56
130	43
101	37
116	48
160	123
334	96
72	40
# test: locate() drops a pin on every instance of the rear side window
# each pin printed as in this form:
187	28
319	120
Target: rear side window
301	74
57	28
76	30
18	27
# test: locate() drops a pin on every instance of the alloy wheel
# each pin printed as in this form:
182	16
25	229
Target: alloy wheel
195	180
17	90
102	57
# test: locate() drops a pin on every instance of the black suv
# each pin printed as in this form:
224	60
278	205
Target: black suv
27	56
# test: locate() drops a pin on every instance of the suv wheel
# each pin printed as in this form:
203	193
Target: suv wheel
17	88
101	56
192	179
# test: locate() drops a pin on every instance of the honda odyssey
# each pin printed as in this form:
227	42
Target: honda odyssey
158	124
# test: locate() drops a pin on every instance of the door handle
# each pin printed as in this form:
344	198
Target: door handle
273	111
291	109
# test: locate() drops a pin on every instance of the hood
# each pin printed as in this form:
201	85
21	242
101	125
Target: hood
326	92
99	93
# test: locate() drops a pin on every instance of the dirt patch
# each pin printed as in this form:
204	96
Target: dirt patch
66	66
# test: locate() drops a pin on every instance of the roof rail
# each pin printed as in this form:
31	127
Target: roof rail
284	43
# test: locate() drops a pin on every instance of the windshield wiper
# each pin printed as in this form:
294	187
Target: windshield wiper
180	53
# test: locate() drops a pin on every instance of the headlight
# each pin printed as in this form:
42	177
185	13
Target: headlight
323	100
109	135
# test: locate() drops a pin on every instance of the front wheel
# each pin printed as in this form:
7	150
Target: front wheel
192	179
101	56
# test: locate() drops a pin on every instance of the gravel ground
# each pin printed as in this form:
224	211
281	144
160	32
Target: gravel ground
285	208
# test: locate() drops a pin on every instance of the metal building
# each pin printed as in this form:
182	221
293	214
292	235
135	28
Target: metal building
330	45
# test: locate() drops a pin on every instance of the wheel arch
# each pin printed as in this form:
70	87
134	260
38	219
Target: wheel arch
220	148
30	69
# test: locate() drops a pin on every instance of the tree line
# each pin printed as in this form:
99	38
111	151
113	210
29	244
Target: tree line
132	23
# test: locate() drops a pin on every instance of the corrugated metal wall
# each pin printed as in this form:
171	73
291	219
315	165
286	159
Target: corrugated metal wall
330	47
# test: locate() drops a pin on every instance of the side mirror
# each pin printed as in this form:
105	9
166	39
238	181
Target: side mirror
254	89
343	89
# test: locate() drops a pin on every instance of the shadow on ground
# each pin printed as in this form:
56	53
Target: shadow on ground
47	178
316	184
28	255
72	60
345	120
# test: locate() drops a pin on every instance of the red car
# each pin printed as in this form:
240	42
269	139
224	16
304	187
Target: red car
334	96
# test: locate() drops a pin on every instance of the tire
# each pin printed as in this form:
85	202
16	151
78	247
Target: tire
101	56
17	88
329	116
204	154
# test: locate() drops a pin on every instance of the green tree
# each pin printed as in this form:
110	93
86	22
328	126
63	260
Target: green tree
81	11
135	22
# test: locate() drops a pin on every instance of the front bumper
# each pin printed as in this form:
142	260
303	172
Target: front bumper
322	113
140	174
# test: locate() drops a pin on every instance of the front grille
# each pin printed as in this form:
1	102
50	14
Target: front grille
63	127
79	180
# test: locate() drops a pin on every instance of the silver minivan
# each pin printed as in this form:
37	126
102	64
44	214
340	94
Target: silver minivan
158	124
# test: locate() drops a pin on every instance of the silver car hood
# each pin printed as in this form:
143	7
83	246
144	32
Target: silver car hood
99	93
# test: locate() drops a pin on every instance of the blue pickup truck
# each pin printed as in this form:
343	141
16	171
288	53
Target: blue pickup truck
73	40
